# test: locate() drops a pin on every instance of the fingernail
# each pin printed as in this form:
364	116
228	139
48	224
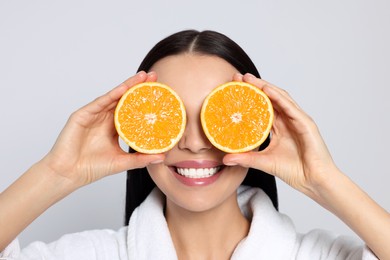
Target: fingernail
156	161
251	76
231	163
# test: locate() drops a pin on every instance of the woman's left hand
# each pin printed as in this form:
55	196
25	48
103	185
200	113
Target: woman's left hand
297	153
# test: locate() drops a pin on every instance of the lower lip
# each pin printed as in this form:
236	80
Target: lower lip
197	181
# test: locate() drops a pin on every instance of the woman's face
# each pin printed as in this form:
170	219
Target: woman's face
193	77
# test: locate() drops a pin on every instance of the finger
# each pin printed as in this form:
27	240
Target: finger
255	160
294	117
136	160
109	100
283	104
249	78
137	78
237	77
151	76
280	98
116	93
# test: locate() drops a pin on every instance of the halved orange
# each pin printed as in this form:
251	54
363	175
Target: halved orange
237	117
150	117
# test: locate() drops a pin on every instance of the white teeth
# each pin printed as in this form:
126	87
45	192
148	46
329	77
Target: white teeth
198	172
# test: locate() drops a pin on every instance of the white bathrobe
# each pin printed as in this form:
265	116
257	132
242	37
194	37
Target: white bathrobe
272	235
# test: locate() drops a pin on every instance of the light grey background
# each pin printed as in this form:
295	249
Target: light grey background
333	57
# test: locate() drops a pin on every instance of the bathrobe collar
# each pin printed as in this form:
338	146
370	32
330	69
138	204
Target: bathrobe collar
272	235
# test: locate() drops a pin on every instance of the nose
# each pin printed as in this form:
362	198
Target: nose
194	139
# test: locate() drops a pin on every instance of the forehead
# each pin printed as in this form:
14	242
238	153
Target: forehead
188	72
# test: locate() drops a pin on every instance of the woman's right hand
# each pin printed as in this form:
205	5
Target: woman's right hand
88	149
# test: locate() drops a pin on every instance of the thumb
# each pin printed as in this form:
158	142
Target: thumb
137	160
254	160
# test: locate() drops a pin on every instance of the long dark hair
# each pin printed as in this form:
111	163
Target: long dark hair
139	184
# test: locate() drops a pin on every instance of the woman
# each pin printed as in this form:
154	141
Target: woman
220	218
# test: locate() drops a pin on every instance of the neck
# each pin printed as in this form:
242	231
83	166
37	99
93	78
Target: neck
211	234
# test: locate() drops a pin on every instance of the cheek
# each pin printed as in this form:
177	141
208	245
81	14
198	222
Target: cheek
155	172
239	173
161	176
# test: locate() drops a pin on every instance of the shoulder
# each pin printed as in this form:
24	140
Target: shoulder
322	244
92	244
270	229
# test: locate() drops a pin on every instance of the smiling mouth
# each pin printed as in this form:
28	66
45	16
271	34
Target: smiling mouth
198	172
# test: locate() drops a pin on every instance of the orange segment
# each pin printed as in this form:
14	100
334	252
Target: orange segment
237	117
150	117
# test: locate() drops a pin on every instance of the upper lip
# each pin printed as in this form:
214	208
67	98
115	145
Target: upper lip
197	164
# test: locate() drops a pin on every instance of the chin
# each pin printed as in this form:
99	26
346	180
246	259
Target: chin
196	203
198	195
